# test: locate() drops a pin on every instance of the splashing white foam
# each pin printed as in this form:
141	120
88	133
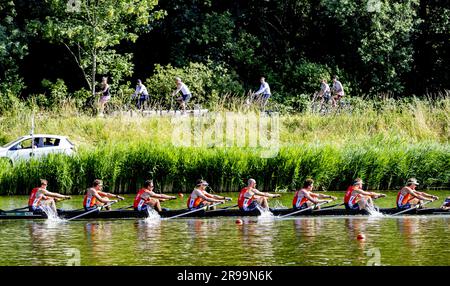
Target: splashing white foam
373	212
265	213
152	215
51	214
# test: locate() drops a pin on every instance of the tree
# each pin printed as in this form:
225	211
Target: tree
379	34
13	47
89	29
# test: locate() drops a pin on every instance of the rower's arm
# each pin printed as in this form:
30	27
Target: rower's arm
100	198
207	197
311	198
111	196
55	195
425	195
162	196
371	194
322	196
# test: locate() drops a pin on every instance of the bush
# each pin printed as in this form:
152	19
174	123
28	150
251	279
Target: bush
207	83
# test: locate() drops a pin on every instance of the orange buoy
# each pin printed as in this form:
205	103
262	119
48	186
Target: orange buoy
180	195
361	236
239	221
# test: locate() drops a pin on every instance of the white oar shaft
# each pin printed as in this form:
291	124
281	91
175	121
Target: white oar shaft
410	209
91	211
302	210
193	211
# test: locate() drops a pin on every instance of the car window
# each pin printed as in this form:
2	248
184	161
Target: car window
25	144
49	142
13	143
56	142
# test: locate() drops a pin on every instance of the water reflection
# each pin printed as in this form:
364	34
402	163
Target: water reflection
258	237
99	238
307	229
149	240
409	228
44	239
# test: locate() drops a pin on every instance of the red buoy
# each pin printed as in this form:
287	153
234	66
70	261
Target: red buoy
180	195
361	236
239	221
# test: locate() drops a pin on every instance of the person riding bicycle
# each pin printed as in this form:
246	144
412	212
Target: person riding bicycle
324	93
338	91
140	95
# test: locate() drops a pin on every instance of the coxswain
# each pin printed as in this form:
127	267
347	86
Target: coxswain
95	198
199	198
408	197
305	198
250	198
40	197
358	199
146	198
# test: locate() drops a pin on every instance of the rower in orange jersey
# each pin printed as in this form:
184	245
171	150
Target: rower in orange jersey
408	197
40	197
357	199
199	198
147	198
250	197
305	198
95	197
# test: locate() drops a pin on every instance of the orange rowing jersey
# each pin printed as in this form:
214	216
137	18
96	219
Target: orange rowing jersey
193	203
403	199
33	200
299	199
348	194
244	202
89	200
138	200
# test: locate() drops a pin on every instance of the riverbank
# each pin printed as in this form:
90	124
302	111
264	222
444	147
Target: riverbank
384	143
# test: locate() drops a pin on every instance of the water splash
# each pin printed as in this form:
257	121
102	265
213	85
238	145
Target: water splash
265	213
51	214
373	212
152	215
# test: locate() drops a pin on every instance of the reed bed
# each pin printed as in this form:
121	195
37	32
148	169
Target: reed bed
124	167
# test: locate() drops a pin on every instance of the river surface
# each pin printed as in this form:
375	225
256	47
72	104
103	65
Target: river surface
405	240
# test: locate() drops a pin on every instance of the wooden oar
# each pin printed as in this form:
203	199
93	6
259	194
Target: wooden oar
410	209
93	210
303	210
193	211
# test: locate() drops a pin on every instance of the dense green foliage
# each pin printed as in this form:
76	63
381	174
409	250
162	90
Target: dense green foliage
376	46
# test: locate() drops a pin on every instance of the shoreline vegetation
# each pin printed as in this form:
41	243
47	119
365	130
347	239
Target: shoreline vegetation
383	141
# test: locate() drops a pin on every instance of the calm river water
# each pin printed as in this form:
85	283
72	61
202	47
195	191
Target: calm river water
407	240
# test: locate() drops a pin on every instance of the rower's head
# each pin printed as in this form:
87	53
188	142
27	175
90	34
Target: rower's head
201	184
308	184
251	183
358	183
44	183
98	184
412	183
148	184
335	78
139	82
262	79
178	80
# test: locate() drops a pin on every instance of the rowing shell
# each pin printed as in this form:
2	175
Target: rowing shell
123	214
